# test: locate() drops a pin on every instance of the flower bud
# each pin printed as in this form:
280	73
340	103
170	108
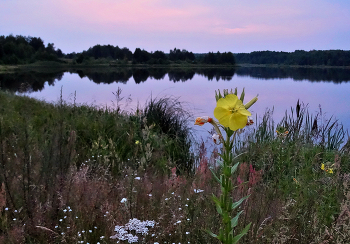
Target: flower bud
251	102
202	120
216	138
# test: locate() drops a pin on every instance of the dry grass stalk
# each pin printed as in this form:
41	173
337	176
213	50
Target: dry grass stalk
2	197
47	229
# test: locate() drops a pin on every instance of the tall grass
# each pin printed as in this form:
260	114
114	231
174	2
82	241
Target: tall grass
306	197
168	116
66	168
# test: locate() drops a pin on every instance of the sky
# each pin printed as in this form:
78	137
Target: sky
200	26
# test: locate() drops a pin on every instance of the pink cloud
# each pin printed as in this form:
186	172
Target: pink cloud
198	25
135	15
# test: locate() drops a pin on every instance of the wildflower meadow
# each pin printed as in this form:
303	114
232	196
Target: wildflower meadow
73	173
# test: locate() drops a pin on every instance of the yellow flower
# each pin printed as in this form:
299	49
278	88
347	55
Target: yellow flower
137	142
327	167
231	112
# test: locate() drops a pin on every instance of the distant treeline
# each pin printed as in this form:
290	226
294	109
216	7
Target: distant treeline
158	57
25	50
298	57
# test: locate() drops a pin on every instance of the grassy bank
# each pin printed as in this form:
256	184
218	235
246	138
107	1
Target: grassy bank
102	63
108	65
72	173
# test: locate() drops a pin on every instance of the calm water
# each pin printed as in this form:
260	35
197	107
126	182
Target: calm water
278	89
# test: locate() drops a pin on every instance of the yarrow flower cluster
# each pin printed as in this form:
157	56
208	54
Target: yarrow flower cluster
140	227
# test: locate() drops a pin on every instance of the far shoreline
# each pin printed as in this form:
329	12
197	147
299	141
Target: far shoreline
52	65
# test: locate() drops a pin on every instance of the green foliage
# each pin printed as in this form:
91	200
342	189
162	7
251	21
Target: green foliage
57	155
219	58
23	50
177	54
167	116
107	135
290	155
298	57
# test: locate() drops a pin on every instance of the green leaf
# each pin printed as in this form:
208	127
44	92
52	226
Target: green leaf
219	209
234	221
229	132
216	178
234	168
242	96
221	235
239	155
243	232
220	163
211	233
236	204
215	199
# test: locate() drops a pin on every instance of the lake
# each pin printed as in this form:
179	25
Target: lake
278	88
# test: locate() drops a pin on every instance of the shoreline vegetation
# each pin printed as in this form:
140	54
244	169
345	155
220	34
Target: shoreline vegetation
50	65
76	174
21	52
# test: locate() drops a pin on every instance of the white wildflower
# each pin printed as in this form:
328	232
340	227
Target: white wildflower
140	227
216	138
198	190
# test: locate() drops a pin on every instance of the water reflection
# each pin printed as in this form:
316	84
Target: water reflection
28	81
34	81
277	88
297	74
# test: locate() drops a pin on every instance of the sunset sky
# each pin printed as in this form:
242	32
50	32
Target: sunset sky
199	26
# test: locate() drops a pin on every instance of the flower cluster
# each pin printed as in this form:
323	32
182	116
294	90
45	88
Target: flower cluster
328	167
282	132
140	227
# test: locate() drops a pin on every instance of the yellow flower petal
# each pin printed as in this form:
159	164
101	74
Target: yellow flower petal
237	121
243	111
222	115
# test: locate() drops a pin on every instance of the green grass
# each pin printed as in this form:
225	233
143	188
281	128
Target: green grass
65	169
